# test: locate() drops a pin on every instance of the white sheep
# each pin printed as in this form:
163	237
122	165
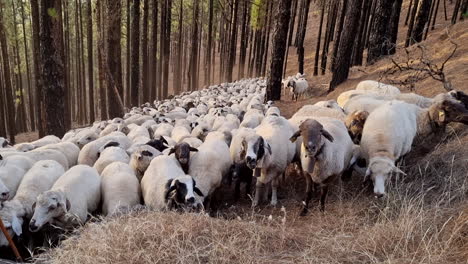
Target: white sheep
120	188
179	132
378	87
88	155
37	180
75	194
109	154
166	186
70	150
38	143
298	87
41	154
209	165
141	158
4	143
269	152
10	179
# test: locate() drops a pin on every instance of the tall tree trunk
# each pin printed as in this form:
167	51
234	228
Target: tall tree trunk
328	34
89	25
3	110
194	52
162	53
435	14
167	49
463	10
379	36
135	47
233	43
53	92
455	11
210	43
113	66
31	102
319	37
343	59
292	21
37	72
393	25
100	6
302	33
144	53
153	50
422	19
6	76
409	11
178	69
339	31
84	108
409	35
280	35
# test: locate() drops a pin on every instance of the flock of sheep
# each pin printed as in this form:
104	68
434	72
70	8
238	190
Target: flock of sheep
178	152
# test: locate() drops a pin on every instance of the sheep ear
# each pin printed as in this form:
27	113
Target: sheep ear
16	226
1	157
68	204
294	137
268	147
163	140
441	116
172	151
327	135
197	191
367	176
33	207
193	149
398	170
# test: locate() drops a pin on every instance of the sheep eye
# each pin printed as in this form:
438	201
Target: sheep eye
52	207
89	138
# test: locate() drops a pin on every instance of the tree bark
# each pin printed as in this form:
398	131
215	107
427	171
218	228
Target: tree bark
89	25
317	48
113	67
10	113
31	102
455	12
339	32
233	43
380	36
343	59
144	54
280	35
422	19
167	49
194	51
101	60
302	33
52	67
135	47
409	35
393	26
153	50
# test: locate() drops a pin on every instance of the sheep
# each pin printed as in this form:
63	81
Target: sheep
108	154
252	119
141	159
201	130
182	154
367	103
75	194
42	154
269	152
120	189
308	111
160	144
37	180
326	152
192	141
298	87
70	150
4	143
165	186
38	143
344	97
273	111
88	155
84	137
163	130
390	130
209	166
355	123
380	88
239	172
114	127
179	132
10	179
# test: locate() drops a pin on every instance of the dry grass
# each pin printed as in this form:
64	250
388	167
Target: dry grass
424	220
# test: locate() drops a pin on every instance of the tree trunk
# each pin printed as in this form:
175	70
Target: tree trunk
243	39
89	25
328	34
409	11
280	35
101	61
53	92
422	19
426	29
409	35
31	102
319	37
128	63
153	50
455	11
135	48
300	40
233	43
343	59
339	32
463	10
178	69
194	52
379	36
37	73
167	49
113	66
292	21
144	54
435	14
6	76
393	26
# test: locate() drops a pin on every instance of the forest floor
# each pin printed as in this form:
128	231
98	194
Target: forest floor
423	220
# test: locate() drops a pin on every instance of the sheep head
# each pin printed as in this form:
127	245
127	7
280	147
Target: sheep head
312	133
48	206
379	170
355	124
255	151
447	111
182	154
180	192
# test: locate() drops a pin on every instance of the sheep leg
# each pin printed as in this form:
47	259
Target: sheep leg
323	197
237	191
274	192
308	195
248	187
258	192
